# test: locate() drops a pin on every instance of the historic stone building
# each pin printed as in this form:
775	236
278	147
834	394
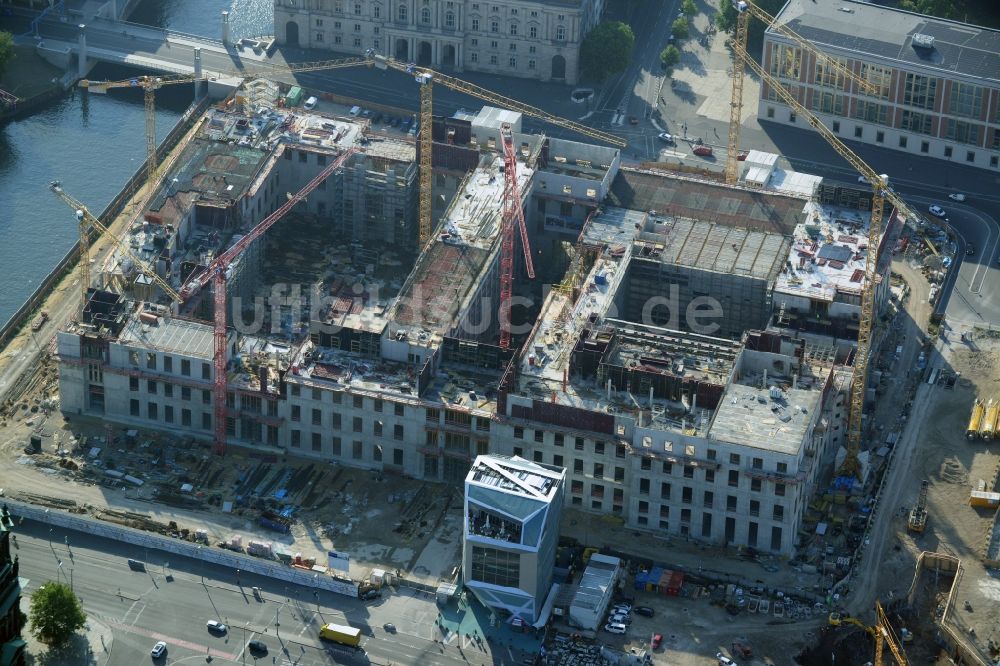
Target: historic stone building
537	39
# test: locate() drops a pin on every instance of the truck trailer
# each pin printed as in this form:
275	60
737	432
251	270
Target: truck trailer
342	634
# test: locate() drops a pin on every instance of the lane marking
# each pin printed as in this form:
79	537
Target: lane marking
170	641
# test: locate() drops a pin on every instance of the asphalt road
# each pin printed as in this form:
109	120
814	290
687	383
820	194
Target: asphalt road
142	608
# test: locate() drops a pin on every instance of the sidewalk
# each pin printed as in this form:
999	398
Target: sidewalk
91	646
467	620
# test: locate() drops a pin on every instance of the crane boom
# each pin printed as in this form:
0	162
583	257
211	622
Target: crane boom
881	191
512	214
87	216
744	9
216	273
224	259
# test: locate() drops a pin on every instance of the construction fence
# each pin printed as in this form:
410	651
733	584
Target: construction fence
203	553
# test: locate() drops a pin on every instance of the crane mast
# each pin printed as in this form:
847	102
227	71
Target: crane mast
512	213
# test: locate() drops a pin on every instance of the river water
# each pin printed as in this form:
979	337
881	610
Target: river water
92	143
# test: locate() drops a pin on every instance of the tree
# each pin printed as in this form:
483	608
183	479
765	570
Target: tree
670	56
689	8
6	50
680	29
56	614
725	18
607	50
938	8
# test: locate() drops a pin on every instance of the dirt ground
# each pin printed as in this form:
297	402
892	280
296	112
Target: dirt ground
953	465
381	521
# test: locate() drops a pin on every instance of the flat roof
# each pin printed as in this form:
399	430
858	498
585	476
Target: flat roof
597	578
828	254
170	334
702	200
749	415
515	476
716	248
859	29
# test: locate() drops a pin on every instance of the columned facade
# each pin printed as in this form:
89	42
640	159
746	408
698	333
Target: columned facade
524	38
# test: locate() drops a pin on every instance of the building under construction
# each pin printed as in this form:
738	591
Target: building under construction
376	356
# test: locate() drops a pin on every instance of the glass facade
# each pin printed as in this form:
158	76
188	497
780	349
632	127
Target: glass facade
496	567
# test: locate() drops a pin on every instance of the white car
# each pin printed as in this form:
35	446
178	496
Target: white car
666	138
883	176
956	197
724	660
158	650
937	211
613	628
216	627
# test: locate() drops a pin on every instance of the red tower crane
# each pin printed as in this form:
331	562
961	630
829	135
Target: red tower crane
512	212
216	274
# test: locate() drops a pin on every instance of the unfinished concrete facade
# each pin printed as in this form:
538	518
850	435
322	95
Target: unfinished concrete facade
712	436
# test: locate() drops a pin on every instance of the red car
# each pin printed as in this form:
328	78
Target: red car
702	151
656	642
742	155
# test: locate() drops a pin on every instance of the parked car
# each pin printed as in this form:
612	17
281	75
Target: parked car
216	627
158	650
395	121
656	642
619	618
702	151
370	594
310	104
644	610
724	660
257	647
937	211
377	118
615	628
666	138
955	196
632	120
742	155
970	250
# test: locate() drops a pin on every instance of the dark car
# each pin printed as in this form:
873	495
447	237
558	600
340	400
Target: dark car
395	121
644	610
377	118
257	647
970	250
370	594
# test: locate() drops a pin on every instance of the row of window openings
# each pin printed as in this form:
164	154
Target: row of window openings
579	444
402	14
168	364
337	447
153	414
925	146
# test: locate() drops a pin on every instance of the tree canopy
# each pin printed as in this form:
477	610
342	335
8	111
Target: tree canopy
670	56
606	50
680	28
56	614
689	8
6	50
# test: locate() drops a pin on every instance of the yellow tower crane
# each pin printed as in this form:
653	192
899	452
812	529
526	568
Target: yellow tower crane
424	76
745	9
881	632
86	220
881	193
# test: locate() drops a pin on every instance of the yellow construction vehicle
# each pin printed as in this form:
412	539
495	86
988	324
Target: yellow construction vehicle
976	420
917	520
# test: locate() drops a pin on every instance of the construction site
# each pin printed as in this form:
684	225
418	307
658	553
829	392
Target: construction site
314	324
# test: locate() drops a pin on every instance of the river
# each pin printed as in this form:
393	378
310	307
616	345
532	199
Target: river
92	143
